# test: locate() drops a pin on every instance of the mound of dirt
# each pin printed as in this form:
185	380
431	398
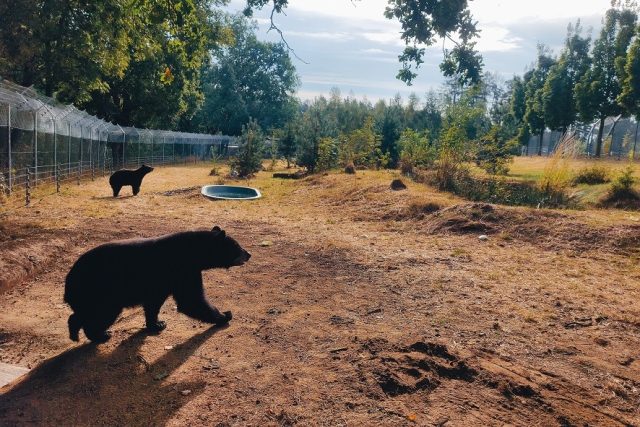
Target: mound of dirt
548	229
181	191
397	185
27	250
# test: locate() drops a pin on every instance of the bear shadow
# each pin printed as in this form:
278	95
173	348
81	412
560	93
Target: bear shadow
83	387
122	196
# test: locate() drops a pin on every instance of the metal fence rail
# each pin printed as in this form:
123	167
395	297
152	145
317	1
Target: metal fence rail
45	141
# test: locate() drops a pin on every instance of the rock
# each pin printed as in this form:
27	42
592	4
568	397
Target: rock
397	185
266	243
185	392
483	237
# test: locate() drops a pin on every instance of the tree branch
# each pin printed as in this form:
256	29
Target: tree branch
273	26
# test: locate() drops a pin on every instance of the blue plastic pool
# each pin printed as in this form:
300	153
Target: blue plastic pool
230	192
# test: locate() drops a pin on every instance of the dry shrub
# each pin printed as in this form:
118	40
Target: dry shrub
622	194
557	174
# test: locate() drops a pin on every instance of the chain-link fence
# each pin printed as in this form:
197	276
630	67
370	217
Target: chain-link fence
42	140
619	139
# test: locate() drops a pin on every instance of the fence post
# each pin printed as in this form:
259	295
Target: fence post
69	149
35	147
57	177
27	196
9	145
79	172
163	142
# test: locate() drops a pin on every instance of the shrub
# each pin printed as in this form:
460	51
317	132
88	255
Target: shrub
415	151
494	152
623	184
327	154
592	175
621	193
249	158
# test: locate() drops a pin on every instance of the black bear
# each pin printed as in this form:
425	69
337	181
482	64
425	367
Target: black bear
145	272
128	177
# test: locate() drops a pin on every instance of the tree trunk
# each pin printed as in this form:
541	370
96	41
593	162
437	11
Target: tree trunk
540	144
599	140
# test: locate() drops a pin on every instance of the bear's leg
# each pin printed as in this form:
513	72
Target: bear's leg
151	310
198	308
75	323
136	189
96	324
116	190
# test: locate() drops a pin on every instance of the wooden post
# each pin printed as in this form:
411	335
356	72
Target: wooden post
9	148
57	166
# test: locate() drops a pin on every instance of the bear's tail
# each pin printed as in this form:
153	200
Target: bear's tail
74	327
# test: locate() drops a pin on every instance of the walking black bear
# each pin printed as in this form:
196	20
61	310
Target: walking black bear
146	272
128	177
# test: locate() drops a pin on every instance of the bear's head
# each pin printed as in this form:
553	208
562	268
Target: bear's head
145	169
224	251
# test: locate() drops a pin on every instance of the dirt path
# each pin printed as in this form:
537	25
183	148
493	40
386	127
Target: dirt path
360	306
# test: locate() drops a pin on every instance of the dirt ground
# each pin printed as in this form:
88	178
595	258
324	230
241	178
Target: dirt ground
360	306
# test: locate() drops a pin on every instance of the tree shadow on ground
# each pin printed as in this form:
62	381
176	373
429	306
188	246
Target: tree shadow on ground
82	386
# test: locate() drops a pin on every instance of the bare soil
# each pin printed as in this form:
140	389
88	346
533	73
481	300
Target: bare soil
360	306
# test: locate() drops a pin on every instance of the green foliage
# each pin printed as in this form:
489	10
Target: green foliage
328	154
495	152
250	150
289	142
598	91
534	112
623	184
415	151
592	175
558	97
452	151
250	78
361	147
137	63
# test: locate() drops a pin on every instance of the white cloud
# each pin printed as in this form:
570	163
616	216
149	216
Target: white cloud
320	35
497	39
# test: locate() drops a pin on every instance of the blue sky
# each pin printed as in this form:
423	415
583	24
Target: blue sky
351	46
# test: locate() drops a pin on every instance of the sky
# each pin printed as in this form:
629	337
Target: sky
350	45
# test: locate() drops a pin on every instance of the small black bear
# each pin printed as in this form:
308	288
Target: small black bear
128	177
146	272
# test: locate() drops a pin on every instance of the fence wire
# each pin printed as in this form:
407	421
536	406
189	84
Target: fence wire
43	140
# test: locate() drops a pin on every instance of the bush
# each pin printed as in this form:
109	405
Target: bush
494	152
327	154
592	175
622	194
249	158
415	151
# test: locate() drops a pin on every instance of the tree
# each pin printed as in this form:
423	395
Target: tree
289	142
630	93
558	97
422	23
598	91
249	158
534	111
137	63
249	78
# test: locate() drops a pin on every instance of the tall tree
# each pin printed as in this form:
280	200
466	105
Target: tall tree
534	112
250	78
598	91
558	97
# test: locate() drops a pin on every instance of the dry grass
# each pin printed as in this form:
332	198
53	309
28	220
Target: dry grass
345	271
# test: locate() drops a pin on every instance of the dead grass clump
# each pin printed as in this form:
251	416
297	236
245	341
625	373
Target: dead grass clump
350	169
557	174
397	185
467	218
419	211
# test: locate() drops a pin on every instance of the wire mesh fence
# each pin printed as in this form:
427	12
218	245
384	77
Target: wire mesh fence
45	141
619	139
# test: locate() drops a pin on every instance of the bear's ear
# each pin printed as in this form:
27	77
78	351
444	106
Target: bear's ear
217	230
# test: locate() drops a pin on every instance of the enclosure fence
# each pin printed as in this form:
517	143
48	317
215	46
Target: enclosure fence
45	141
619	139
